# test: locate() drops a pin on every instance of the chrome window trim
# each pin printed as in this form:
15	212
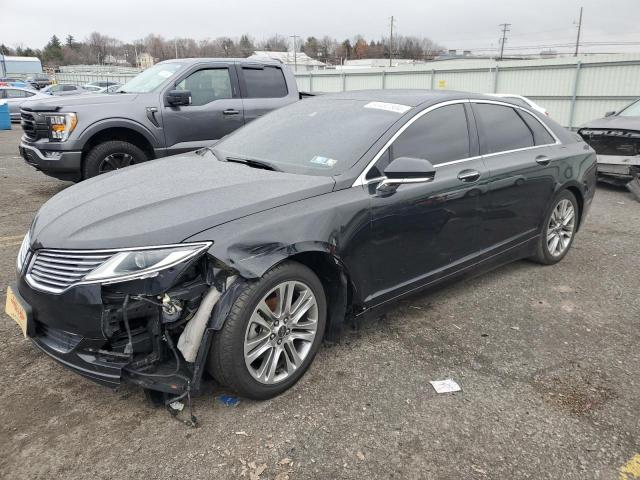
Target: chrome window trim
362	180
203	246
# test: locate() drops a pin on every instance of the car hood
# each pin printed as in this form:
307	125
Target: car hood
163	202
54	103
614	122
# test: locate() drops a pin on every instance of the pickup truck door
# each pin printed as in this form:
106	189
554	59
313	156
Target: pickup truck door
265	88
215	110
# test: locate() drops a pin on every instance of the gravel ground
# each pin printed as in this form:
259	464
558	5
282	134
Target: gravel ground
547	357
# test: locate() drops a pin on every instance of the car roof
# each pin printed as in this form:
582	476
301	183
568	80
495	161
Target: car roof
410	97
255	60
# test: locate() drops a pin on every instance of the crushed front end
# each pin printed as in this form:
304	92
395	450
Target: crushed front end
109	317
618	152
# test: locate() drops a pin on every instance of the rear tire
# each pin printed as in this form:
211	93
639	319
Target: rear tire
233	346
558	230
111	155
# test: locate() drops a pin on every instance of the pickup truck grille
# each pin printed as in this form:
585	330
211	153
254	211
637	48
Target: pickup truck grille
56	270
612	142
33	125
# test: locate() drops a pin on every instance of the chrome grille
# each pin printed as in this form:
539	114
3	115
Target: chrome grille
56	270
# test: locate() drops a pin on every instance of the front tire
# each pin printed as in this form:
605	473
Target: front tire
272	333
558	229
112	155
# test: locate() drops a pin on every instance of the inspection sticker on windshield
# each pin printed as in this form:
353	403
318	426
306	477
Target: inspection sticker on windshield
389	107
324	161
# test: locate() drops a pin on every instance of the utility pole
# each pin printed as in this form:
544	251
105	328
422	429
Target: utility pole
505	29
579	30
391	42
295	52
175	42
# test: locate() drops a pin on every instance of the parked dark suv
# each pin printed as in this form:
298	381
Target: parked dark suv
172	107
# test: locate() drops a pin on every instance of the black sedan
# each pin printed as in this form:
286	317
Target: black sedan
242	257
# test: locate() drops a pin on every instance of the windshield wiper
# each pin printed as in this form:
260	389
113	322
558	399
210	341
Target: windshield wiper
251	162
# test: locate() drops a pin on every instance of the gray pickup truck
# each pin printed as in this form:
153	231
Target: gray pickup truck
172	107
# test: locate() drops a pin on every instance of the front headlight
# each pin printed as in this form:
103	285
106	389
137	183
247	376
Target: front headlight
61	125
144	263
22	253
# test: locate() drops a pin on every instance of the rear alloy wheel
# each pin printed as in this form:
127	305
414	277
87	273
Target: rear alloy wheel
558	230
112	155
272	333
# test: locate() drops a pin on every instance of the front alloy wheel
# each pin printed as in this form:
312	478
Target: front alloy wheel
272	332
280	332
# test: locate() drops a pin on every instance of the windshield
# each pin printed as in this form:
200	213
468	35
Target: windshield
632	110
151	78
314	137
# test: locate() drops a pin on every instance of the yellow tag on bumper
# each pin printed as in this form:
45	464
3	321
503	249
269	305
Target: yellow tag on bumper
16	311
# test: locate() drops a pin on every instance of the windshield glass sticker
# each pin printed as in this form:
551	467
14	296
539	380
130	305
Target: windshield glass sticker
165	73
324	161
389	107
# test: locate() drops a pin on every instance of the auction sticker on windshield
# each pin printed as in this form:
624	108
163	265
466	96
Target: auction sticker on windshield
16	311
389	107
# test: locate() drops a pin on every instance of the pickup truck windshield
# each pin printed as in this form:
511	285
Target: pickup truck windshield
151	78
316	136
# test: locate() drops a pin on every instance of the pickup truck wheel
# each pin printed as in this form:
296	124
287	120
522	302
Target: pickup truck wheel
272	333
112	155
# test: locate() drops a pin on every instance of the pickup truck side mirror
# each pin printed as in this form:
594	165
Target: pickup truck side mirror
406	170
178	98
608	114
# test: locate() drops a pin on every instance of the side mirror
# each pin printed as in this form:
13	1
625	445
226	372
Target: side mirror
608	114
406	170
178	98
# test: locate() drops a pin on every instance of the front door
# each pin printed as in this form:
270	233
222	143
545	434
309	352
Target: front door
423	232
215	110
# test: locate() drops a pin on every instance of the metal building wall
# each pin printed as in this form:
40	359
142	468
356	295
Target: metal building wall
573	89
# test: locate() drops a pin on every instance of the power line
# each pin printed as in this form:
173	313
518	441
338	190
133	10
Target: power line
505	29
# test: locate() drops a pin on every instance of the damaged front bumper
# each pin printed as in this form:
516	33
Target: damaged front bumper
129	332
621	170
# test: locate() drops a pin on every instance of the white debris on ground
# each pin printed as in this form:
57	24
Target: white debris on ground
445	386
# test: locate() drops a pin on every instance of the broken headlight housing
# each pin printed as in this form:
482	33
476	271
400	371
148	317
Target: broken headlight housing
61	125
144	262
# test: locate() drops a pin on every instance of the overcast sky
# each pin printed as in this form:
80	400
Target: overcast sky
461	24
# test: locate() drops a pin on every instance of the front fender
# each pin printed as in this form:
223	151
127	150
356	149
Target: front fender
138	127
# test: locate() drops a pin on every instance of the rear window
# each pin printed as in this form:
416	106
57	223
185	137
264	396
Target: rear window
541	135
267	82
501	128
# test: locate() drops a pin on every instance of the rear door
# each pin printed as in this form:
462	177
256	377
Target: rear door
424	231
519	153
215	110
264	88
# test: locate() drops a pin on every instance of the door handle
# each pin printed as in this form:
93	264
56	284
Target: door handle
542	160
230	111
469	175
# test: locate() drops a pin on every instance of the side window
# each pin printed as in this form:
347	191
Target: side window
501	128
541	135
207	85
69	88
439	136
267	82
16	93
56	88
